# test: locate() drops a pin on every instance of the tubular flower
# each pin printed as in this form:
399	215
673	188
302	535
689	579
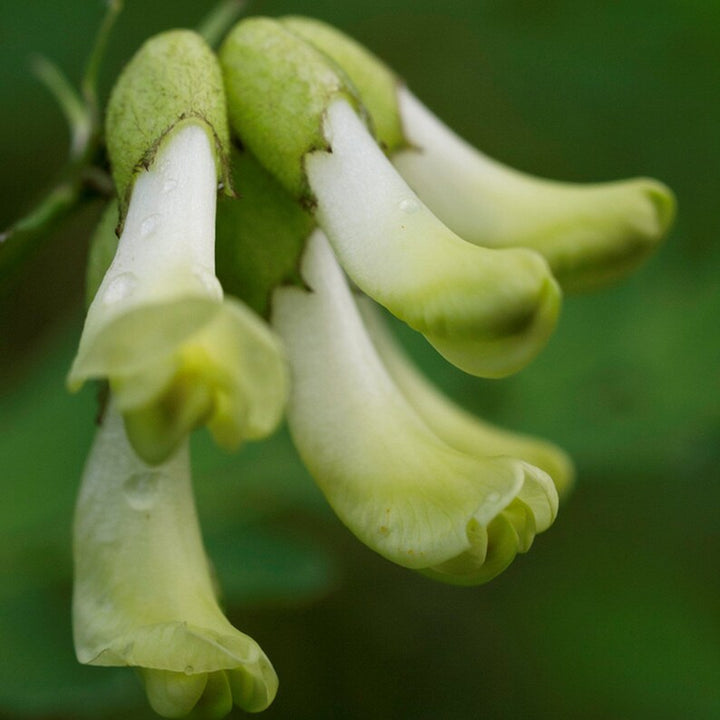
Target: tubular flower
590	234
397	484
487	311
175	352
143	594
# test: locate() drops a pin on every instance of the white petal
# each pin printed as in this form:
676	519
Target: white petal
589	233
487	311
164	267
391	480
143	594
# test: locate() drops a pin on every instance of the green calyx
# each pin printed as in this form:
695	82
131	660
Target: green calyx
173	79
260	235
374	81
278	88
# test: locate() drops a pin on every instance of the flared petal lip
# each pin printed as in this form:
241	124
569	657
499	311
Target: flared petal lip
119	652
111	353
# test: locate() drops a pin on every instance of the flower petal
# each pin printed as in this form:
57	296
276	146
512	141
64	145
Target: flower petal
230	374
172	694
402	490
143	594
590	234
489	312
161	285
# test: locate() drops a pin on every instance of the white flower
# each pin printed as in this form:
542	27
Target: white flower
402	489
175	352
143	594
590	234
489	312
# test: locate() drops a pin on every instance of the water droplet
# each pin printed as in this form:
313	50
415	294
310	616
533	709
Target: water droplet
493	497
169	185
149	224
409	206
189	669
119	288
141	489
221	186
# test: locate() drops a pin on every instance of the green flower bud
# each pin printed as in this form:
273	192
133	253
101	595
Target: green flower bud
173	79
397	485
590	234
488	312
143	594
260	235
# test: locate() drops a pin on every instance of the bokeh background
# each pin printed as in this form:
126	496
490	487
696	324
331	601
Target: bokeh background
615	612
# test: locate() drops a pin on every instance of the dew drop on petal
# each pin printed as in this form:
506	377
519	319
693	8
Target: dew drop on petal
409	206
119	288
140	489
189	669
149	224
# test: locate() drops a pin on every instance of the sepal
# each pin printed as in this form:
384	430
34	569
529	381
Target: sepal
102	249
260	235
173	80
374	81
278	89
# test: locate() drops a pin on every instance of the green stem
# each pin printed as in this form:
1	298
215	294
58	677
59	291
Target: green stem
81	178
75	110
97	55
220	19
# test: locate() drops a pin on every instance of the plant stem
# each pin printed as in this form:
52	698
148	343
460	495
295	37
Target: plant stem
80	178
219	20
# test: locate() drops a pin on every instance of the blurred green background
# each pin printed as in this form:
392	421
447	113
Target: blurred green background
615	612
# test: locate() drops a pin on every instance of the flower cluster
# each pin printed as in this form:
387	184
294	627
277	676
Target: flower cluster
342	174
